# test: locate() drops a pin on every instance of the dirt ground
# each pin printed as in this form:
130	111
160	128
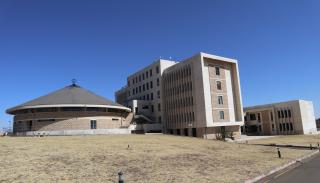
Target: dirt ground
149	158
299	140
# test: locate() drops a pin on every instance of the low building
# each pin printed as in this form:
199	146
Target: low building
71	110
285	118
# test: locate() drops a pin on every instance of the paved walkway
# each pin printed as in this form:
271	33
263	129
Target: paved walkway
304	173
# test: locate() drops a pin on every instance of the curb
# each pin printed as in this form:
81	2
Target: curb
281	167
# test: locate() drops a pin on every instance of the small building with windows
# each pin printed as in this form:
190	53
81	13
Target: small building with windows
71	110
285	118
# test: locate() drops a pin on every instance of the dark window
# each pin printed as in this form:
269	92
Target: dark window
219	87
152	108
279	114
260	129
139	78
93	124
157	69
151	96
217	71
159	119
158	93
287	125
221	114
220	100
286	114
45	120
139	89
271	116
150	72
151	84
272	127
145	107
291	127
280	127
147	86
115	119
259	117
158	81
147	74
72	109
143	76
159	107
143	87
282	114
253	117
289	113
96	109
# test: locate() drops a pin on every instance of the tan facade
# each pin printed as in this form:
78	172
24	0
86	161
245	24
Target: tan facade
286	118
69	121
202	95
144	88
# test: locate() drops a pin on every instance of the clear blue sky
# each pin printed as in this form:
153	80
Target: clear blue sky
44	44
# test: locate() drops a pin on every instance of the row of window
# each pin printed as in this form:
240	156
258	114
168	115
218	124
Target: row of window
285	127
178	74
144	87
149	96
183	117
284	113
143	76
184	87
176	103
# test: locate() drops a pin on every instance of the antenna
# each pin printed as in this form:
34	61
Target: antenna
74	81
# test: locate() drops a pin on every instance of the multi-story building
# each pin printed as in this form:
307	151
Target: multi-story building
143	93
285	118
202	97
199	96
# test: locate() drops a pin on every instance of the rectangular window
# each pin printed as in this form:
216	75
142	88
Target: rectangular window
272	127
147	74
152	108
291	127
143	87
285	113
217	71
147	86
158	81
139	78
219	87
253	117
147	96
150	72
158	94
151	84
220	100
139	89
115	119
289	113
142	76
260	129
157	69
221	114
159	119
93	124
151	96
259	117
279	114
280	127
159	107
271	116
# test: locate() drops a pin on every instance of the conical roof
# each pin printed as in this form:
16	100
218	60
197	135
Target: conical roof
70	96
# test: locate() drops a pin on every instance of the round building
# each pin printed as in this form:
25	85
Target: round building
71	110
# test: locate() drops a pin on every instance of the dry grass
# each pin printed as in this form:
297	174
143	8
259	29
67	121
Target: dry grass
150	158
299	140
